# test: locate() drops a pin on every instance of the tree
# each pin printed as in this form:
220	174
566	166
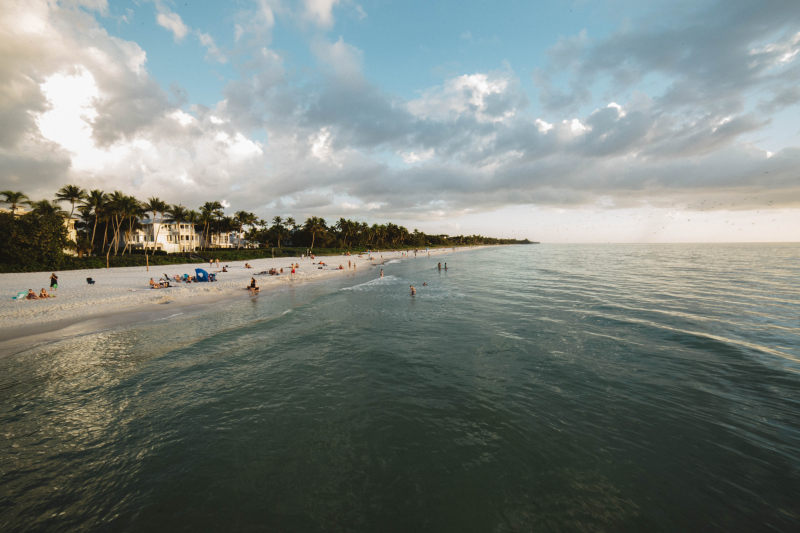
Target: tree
44	207
278	229
177	214
121	208
155	206
209	211
15	199
95	201
33	241
315	225
244	218
72	194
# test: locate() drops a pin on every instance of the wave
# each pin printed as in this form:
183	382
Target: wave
371	283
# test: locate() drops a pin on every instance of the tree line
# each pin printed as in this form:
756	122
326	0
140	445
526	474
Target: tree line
107	221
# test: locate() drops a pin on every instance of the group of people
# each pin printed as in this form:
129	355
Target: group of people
160	284
31	295
42	294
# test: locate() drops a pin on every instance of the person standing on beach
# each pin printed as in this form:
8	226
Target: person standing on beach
53	282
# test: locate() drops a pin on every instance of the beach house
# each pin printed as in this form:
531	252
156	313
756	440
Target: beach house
172	237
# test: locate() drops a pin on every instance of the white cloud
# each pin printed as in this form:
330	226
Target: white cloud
340	59
543	126
213	52
320	12
418	157
172	22
467	94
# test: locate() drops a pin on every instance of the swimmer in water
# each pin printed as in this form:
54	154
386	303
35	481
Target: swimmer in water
413	290
381	272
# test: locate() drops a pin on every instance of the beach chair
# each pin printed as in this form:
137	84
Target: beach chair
20	295
90	281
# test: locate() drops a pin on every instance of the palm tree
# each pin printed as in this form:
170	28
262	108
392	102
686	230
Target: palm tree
244	218
95	201
278	229
121	208
71	194
155	206
45	207
315	225
209	211
15	199
177	214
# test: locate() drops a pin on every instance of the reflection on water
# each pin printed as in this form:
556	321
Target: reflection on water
526	388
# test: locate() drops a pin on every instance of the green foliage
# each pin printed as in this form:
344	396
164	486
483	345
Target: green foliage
34	241
108	222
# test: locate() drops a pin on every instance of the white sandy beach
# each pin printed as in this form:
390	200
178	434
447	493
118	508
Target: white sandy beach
126	289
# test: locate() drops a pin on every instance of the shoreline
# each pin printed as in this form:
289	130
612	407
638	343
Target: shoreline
121	295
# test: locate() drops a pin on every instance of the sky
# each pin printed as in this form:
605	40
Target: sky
557	121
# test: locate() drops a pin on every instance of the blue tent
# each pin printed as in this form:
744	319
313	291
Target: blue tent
200	275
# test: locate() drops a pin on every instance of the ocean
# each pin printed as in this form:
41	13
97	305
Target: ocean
525	388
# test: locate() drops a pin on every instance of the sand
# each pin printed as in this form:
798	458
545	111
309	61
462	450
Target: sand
125	290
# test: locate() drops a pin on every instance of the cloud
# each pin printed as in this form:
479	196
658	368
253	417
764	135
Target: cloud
714	56
79	106
320	12
172	21
213	52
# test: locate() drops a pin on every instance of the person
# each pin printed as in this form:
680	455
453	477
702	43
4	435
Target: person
439	266
153	284
445	266
31	295
225	268
413	290
253	288
247	265
292	269
341	267
424	283
217	261
381	272
53	282
43	294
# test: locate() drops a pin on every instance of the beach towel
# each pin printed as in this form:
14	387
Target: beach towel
20	295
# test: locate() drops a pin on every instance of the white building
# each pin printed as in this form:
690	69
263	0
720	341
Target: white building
174	237
169	237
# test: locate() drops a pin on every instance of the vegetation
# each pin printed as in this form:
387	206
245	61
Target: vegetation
106	222
33	241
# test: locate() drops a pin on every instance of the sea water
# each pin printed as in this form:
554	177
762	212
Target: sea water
549	387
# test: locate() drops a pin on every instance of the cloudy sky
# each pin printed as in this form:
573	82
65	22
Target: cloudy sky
581	121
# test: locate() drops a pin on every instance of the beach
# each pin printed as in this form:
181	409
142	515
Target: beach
123	294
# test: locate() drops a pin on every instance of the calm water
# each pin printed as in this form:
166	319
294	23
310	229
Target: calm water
526	388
